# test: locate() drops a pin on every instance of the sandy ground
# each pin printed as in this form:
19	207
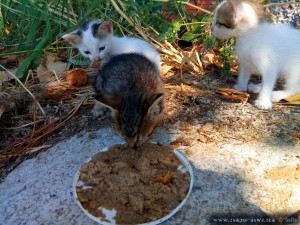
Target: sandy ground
234	180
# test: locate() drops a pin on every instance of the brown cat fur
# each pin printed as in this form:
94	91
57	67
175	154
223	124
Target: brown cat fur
131	86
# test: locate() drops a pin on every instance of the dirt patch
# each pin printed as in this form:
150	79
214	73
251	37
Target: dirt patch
194	106
290	173
142	184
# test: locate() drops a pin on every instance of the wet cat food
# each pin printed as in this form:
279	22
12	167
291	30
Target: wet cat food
141	185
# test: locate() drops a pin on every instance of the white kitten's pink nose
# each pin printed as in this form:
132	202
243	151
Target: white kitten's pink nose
97	58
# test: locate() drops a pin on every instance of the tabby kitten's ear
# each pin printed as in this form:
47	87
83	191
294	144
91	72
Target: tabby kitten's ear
105	29
156	105
73	39
111	101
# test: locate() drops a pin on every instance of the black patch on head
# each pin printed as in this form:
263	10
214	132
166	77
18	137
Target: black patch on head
79	33
94	28
85	25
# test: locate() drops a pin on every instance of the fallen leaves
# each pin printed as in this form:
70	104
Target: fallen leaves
58	67
9	59
165	69
206	133
294	98
28	143
77	77
181	141
4	77
57	81
211	58
44	75
292	101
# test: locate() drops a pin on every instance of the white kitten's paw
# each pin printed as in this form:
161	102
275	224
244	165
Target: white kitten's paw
263	103
240	87
254	88
279	95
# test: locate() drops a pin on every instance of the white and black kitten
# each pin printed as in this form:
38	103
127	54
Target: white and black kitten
95	40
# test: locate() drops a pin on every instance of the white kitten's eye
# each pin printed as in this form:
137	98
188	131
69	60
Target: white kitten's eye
101	48
87	52
224	25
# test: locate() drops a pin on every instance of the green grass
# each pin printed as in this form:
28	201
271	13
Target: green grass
33	26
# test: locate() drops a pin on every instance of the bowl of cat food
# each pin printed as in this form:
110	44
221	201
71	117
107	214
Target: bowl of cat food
144	185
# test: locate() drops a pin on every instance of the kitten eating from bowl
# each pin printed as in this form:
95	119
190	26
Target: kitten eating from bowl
271	50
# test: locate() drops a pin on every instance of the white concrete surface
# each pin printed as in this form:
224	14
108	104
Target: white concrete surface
230	180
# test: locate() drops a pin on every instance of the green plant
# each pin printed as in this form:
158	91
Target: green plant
31	27
225	53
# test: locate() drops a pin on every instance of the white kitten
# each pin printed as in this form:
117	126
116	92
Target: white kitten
94	39
272	50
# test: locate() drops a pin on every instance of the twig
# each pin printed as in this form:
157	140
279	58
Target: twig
196	7
25	125
20	82
73	111
138	28
243	104
20	147
34	117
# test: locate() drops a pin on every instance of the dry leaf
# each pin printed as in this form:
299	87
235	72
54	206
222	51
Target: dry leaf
44	75
77	77
165	69
50	57
202	138
39	148
208	127
60	91
233	60
209	58
4	76
58	67
294	98
9	59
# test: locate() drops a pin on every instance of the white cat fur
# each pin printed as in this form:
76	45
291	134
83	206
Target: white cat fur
272	50
113	45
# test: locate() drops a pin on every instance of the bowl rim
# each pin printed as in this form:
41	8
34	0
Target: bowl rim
99	220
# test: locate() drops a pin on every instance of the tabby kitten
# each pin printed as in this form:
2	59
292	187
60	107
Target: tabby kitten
130	85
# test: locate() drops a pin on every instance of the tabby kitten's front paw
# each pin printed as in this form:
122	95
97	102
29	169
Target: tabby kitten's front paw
263	103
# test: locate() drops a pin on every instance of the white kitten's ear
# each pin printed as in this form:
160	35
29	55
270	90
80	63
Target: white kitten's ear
73	39
111	101
106	28
157	105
